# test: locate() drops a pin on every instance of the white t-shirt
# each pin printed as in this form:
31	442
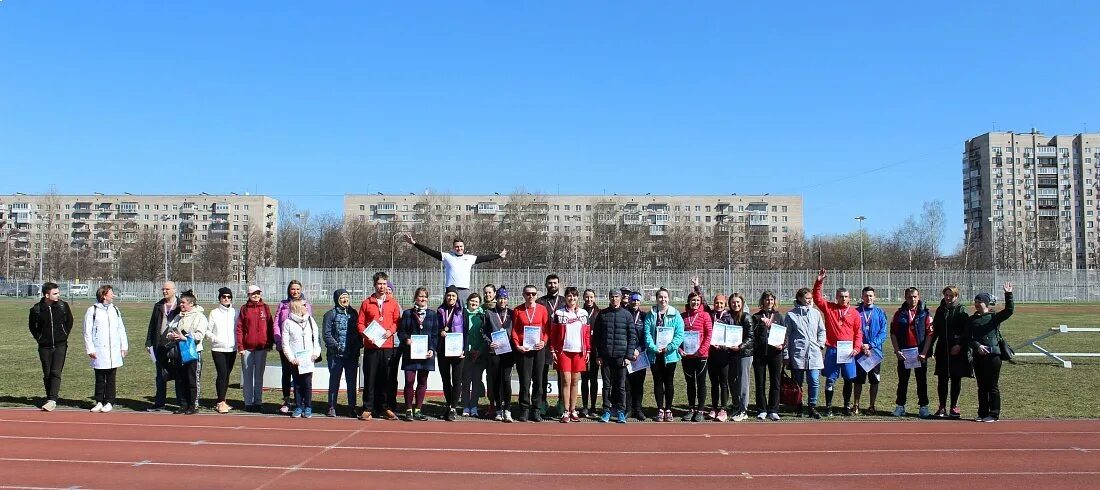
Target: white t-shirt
456	269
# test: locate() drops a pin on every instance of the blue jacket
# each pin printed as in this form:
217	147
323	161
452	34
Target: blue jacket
341	332
876	327
671	319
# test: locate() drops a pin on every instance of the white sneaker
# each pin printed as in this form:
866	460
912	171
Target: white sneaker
740	417
774	417
49	406
762	416
499	417
899	411
924	412
508	416
97	408
988	419
107	408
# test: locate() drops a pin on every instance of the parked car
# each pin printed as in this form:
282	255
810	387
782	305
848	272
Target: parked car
8	289
78	290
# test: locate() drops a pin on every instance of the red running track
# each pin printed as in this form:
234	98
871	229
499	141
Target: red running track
67	449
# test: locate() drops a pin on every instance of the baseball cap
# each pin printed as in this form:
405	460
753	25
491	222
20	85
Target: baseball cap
254	289
614	292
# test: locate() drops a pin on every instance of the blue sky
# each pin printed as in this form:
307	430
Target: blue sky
862	107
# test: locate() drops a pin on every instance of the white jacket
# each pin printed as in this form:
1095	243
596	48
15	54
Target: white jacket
222	329
104	336
300	334
191	323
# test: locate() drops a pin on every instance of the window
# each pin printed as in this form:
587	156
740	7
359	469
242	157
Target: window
362	207
773	209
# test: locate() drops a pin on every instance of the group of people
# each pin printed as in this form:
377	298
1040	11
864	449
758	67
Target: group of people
473	336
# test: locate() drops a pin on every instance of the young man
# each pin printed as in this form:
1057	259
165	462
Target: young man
457	264
912	328
615	339
255	331
842	323
874	326
379	361
551	301
530	361
50	323
156	339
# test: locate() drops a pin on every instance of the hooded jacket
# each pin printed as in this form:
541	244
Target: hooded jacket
255	327
300	335
191	323
341	329
387	314
283	312
670	319
221	329
985	328
105	336
805	338
50	324
699	320
614	335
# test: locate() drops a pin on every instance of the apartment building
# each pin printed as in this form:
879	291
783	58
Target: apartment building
105	223
1030	200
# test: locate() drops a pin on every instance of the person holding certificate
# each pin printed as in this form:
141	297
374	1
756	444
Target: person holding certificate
530	322
570	344
842	324
418	324
718	361
805	339
767	358
344	345
698	328
379	359
987	343
497	334
473	367
450	364
911	328
664	334
740	356
301	344
875	329
953	361
635	378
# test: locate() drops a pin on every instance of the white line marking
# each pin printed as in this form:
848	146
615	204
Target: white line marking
746	475
142	462
315	455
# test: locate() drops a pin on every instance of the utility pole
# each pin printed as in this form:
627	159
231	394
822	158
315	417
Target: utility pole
862	277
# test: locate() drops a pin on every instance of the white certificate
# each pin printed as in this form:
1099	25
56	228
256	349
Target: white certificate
912	361
869	361
734	335
572	338
718	337
375	332
691	342
664	337
419	347
305	362
843	351
639	364
452	345
777	335
531	336
504	345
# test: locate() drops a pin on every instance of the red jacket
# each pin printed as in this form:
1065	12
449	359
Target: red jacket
557	331
840	323
539	318
701	322
255	327
388	316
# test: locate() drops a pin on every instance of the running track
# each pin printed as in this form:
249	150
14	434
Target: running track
67	449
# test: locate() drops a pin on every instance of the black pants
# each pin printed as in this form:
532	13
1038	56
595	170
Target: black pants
635	389
532	384
922	384
303	389
379	382
162	368
450	369
53	362
499	380
987	372
590	382
223	364
287	376
766	370
187	384
105	385
941	389
614	384
664	383
718	369
695	376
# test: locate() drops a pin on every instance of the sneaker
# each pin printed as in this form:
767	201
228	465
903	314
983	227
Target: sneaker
812	413
639	415
847	411
955	413
828	412
223	407
156	408
296	414
365	415
419	415
899	411
191	411
331	412
49	405
620	418
390	415
409	415
924	412
107	408
660	416
536	416
941	413
584	413
987	418
688	417
605	417
762	415
721	416
668	416
285	409
564	418
508	417
499	417
740	417
452	415
521	418
574	417
711	415
774	417
308	413
698	417
97	408
871	410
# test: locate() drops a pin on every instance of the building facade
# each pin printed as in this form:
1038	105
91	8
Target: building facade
1030	200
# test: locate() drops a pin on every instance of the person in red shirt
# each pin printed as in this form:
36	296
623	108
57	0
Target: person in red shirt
570	344
379	361
530	359
842	324
912	328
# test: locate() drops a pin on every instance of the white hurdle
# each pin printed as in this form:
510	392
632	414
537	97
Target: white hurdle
1057	356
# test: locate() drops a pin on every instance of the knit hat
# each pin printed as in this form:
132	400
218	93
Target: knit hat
451	289
635	296
985	298
336	295
502	292
224	290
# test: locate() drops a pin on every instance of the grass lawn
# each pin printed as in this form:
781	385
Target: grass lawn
1031	388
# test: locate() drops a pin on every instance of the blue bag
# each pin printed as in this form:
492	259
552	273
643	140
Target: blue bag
188	353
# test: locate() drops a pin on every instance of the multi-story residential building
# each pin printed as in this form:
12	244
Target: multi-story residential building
104	224
1030	201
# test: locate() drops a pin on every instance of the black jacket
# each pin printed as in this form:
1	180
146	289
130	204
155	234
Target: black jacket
50	324
748	336
613	333
949	329
499	319
761	348
638	319
154	337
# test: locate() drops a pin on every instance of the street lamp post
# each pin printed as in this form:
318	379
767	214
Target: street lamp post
164	235
993	248
862	277
301	226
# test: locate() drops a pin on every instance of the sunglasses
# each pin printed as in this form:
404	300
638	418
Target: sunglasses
230	296
525	293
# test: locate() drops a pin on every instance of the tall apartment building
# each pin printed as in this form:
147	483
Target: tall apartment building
1031	201
105	223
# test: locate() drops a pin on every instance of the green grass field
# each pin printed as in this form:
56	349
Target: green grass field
1032	388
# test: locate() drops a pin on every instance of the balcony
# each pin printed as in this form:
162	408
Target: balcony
188	209
23	218
632	219
220	208
387	208
128	208
81	229
757	218
489	208
656	230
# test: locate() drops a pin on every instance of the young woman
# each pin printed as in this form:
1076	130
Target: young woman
473	368
105	343
418	320
570	343
985	337
953	360
499	366
223	344
697	320
590	383
805	341
344	343
663	357
718	361
189	323
450	368
301	344
741	358
767	360
293	291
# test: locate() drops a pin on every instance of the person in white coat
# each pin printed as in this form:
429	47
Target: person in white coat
106	345
221	336
805	340
301	343
189	323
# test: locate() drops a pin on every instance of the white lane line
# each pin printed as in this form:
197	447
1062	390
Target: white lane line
311	458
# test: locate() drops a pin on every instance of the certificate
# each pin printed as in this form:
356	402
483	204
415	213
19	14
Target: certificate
777	335
572	341
734	335
664	337
911	359
305	362
718	337
504	345
375	332
843	351
869	361
419	347
691	342
452	345
531	336
639	364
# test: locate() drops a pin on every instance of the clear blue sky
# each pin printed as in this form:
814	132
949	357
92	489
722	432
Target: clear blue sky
308	101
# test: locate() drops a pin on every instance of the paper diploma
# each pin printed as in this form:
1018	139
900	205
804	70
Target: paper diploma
777	335
912	361
419	347
843	351
531	336
504	346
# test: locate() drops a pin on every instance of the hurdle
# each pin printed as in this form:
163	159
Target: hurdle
1057	356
